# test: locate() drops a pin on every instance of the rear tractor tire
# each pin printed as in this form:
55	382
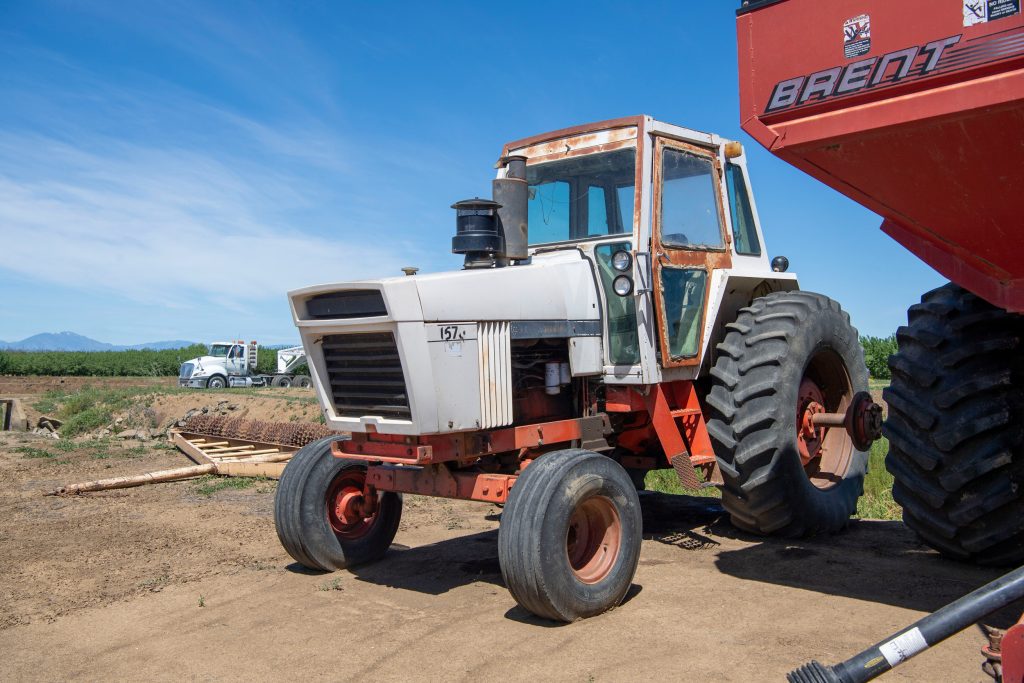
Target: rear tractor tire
787	356
955	436
570	534
317	511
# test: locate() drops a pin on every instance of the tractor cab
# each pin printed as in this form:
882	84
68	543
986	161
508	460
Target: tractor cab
666	216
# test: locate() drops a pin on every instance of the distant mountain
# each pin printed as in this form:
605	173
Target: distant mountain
70	341
161	345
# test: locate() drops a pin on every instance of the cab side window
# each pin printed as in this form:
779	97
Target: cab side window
744	233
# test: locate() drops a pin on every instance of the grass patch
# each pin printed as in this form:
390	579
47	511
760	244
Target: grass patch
135	452
667	481
877	502
30	452
210	484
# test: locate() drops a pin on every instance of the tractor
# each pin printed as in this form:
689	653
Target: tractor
617	313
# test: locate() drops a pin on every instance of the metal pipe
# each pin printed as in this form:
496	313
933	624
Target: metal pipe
829	419
924	633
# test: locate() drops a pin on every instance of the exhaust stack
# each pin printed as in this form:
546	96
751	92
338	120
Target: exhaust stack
512	193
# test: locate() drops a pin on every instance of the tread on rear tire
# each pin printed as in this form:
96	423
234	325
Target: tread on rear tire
955	437
774	344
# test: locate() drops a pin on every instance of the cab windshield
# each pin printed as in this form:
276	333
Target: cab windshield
220	350
582	197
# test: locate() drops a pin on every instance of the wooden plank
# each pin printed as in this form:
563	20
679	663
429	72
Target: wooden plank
225	449
247	454
276	457
269	470
193	452
139	480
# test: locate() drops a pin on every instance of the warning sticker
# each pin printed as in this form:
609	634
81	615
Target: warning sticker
903	647
981	11
857	36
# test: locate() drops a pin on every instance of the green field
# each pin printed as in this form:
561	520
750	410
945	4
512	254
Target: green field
145	363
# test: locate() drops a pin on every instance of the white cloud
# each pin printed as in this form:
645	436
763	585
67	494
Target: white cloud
167	225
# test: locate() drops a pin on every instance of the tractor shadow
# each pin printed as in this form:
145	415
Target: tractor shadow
872	560
439	567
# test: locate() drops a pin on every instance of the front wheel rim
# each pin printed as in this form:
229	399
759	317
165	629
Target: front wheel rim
343	502
593	539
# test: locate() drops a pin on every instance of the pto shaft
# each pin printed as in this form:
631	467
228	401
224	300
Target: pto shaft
932	629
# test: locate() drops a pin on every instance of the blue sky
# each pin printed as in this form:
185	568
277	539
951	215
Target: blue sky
170	170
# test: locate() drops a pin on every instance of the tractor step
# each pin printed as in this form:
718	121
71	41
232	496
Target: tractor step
684	470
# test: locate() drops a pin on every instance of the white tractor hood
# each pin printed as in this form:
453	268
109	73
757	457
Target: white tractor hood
558	285
438	331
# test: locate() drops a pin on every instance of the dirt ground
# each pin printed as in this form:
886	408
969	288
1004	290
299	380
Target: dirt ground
174	582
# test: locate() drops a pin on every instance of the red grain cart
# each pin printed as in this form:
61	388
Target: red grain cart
914	110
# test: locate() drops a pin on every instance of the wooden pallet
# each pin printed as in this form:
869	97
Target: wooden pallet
235	457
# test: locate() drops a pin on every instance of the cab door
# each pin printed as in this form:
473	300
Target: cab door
690	241
235	362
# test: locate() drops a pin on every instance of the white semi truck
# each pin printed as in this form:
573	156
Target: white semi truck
233	364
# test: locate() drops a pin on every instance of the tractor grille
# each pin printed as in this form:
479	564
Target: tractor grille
365	375
186	371
356	303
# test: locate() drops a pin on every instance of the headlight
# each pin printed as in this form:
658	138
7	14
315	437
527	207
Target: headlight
621	261
623	285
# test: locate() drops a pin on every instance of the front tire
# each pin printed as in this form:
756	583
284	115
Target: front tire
313	511
569	540
954	428
787	355
216	382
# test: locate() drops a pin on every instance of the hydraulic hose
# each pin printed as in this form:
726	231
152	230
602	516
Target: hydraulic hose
924	633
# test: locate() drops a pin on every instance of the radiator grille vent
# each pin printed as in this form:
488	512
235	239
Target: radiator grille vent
365	375
495	375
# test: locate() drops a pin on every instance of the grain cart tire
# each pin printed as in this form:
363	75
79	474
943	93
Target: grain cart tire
954	426
787	355
313	511
216	382
281	381
570	533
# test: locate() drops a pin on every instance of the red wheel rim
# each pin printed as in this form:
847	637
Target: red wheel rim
593	539
825	453
344	505
810	402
